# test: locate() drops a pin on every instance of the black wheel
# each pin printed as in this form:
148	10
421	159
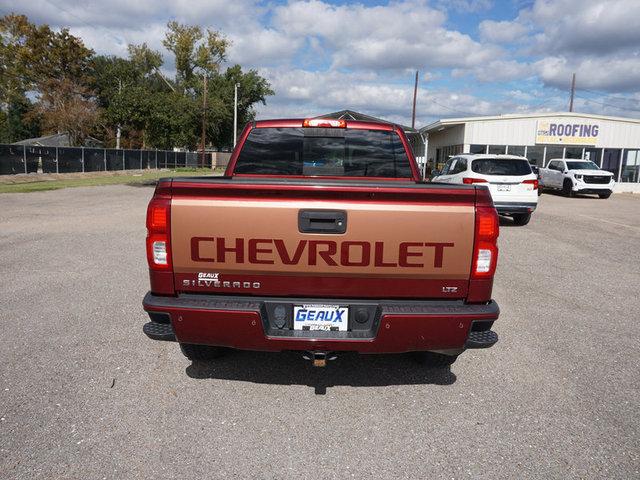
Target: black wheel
521	218
434	360
566	188
604	195
539	190
201	352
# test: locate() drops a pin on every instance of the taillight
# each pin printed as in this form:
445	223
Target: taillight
485	252
324	122
469	181
532	182
158	233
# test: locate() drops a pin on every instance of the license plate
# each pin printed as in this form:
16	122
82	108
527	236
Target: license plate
320	318
504	188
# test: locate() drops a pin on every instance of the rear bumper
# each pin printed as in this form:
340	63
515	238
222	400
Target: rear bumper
593	189
374	327
520	207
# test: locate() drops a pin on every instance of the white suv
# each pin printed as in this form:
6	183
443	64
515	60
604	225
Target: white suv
513	186
576	176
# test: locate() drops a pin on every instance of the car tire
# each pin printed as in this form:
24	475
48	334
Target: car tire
567	188
201	352
521	218
433	360
604	195
539	190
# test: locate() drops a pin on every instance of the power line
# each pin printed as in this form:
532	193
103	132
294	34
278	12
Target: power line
453	109
603	94
620	107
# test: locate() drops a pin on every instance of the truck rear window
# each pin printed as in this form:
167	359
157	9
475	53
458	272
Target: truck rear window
501	166
323	152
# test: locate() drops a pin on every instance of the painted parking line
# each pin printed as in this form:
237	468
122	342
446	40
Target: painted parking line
613	223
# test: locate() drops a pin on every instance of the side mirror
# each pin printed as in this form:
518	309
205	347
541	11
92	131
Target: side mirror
435	173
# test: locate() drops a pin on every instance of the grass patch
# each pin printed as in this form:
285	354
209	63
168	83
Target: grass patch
40	182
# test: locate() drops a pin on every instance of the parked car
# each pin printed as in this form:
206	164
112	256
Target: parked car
509	178
536	170
576	176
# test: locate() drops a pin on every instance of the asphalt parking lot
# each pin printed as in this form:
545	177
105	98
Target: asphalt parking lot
84	394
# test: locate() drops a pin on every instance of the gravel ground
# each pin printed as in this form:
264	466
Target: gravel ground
85	395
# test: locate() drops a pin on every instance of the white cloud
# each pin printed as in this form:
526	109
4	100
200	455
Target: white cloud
393	37
321	57
611	74
263	47
502	32
465	6
495	71
585	27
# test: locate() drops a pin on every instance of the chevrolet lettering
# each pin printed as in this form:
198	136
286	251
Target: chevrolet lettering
313	252
322	237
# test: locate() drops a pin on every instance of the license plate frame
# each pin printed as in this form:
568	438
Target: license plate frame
503	188
321	317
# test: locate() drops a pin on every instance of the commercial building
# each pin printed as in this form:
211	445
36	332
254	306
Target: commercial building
612	143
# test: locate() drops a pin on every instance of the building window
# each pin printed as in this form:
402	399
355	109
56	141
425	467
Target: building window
445	153
497	149
477	149
573	152
515	150
535	155
594	154
554	152
631	166
611	161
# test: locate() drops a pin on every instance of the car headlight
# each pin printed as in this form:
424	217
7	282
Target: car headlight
579	177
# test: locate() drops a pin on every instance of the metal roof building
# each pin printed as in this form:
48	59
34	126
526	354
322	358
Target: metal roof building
611	142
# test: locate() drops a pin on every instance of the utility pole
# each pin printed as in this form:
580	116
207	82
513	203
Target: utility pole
119	131
235	115
204	115
573	89
415	94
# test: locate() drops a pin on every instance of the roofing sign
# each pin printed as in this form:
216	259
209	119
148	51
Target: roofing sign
567	132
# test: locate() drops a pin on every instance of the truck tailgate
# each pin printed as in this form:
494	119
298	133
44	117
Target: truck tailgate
292	238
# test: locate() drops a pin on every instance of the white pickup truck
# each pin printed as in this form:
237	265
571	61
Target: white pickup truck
576	176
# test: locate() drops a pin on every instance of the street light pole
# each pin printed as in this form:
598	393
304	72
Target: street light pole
235	114
204	115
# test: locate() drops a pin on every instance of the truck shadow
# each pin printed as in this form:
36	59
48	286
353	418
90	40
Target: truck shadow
349	369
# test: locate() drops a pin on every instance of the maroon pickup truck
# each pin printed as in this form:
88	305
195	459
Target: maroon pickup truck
322	238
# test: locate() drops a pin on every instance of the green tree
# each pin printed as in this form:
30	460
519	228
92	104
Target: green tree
131	93
15	57
252	88
197	55
17	123
61	69
146	61
194	54
16	79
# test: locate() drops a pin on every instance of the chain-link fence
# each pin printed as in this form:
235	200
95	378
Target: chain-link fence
16	159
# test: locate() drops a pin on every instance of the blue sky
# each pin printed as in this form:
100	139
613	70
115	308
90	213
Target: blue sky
475	57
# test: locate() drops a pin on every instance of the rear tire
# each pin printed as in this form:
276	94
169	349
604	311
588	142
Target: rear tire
604	195
567	188
521	218
433	360
201	352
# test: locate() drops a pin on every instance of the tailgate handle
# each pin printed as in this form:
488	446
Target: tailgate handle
322	221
